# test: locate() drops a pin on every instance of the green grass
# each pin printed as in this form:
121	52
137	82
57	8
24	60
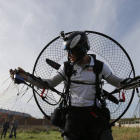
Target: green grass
40	133
36	135
53	135
126	133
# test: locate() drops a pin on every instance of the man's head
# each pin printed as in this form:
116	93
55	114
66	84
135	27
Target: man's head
76	44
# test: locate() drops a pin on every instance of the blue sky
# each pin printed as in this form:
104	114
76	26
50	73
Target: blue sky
26	26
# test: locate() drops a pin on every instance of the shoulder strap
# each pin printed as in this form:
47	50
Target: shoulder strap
68	72
98	63
95	69
98	66
68	68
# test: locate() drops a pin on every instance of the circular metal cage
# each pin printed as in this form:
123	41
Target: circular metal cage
107	50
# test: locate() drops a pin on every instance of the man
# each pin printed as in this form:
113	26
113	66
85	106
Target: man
14	125
85	119
5	128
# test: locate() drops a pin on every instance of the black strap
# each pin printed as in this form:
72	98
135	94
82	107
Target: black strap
98	65
95	69
68	72
78	82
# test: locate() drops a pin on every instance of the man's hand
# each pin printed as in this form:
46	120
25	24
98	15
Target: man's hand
12	73
20	72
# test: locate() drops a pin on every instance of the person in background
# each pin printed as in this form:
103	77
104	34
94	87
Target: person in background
14	125
5	128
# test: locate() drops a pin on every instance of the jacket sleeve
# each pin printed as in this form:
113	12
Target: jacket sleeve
114	80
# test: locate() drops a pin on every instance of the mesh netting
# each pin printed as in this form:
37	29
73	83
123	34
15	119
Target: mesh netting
106	50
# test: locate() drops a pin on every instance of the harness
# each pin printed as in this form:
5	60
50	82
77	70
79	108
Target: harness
98	66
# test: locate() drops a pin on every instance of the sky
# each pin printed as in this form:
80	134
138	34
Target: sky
26	26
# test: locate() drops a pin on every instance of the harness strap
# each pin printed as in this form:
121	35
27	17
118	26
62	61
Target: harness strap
69	70
123	97
93	114
95	67
78	82
42	93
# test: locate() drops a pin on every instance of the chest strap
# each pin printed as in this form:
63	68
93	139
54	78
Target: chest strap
78	82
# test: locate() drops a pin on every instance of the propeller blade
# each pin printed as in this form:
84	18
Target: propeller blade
53	64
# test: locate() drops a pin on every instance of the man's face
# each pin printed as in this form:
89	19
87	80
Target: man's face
72	56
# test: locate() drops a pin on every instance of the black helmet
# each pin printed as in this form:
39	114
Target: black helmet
78	41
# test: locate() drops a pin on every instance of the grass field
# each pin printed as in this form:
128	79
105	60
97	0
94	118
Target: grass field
36	133
126	133
40	133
